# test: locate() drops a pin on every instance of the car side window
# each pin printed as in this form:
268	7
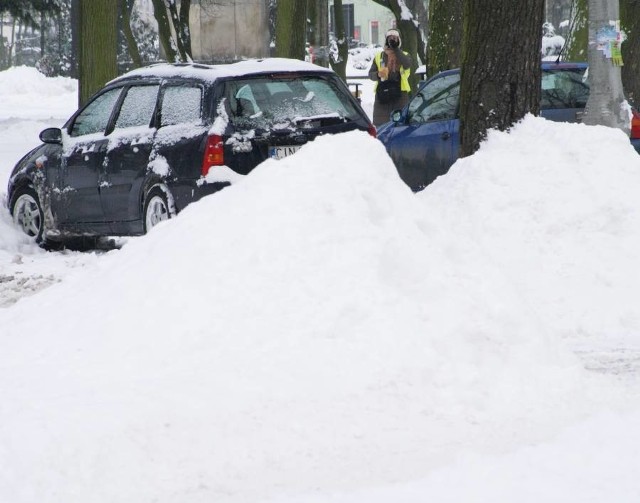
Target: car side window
94	118
138	106
438	100
181	105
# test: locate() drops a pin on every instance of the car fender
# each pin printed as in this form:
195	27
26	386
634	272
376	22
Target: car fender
153	183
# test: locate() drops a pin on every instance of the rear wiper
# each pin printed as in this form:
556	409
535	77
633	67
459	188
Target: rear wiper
320	120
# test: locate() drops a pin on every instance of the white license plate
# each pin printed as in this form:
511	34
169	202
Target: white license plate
283	151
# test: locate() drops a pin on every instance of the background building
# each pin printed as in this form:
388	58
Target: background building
229	29
364	20
223	30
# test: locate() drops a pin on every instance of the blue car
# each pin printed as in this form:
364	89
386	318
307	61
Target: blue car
423	138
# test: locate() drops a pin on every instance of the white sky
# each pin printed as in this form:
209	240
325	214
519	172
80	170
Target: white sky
318	333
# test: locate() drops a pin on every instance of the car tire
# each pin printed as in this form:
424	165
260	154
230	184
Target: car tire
27	213
156	209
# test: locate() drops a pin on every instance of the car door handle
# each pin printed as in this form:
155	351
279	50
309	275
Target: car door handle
446	135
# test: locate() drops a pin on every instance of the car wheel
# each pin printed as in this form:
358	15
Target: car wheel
156	209
27	213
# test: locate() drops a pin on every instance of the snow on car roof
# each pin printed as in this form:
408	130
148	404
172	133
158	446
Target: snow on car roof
213	72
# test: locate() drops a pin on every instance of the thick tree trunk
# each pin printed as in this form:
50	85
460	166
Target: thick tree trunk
98	43
291	25
445	35
606	104
500	72
630	17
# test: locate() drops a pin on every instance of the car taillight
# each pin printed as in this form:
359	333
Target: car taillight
213	153
373	131
635	125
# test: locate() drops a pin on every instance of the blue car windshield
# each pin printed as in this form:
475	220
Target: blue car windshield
439	99
564	88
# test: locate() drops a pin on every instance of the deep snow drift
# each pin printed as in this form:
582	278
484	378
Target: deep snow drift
317	333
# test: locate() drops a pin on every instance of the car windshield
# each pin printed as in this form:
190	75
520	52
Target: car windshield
282	102
439	98
564	88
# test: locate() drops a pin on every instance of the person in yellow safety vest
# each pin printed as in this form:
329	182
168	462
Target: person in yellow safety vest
390	69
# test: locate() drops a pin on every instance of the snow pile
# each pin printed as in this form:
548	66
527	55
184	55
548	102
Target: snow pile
30	102
28	94
12	240
317	332
315	326
556	206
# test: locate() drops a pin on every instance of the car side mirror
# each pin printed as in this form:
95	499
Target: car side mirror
396	116
51	135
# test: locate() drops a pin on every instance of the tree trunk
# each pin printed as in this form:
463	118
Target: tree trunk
318	14
630	17
12	44
75	39
340	66
409	36
312	16
576	43
606	104
98	46
42	35
164	31
2	59
420	14
185	29
18	45
180	21
500	71
322	28
126	7
445	35
291	26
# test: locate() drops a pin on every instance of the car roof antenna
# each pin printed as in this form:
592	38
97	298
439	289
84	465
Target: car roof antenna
572	25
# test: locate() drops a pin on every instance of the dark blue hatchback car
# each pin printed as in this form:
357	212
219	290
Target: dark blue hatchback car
159	138
423	138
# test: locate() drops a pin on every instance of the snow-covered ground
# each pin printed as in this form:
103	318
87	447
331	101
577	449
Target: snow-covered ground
318	333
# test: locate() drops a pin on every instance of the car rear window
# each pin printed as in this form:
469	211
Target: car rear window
303	101
564	88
